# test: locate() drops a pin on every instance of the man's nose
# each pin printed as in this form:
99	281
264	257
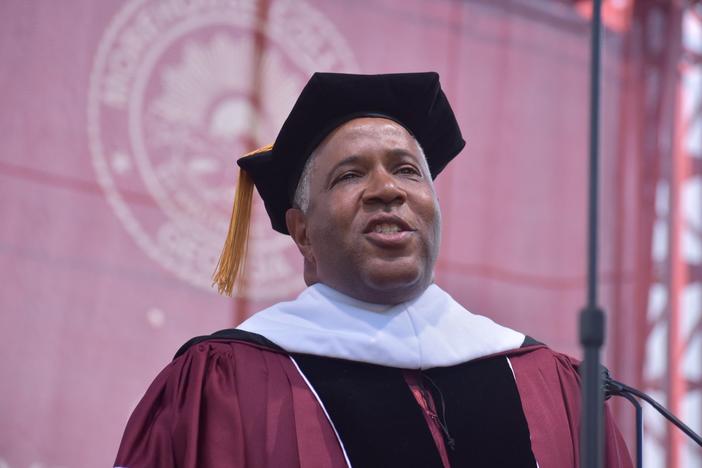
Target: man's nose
383	188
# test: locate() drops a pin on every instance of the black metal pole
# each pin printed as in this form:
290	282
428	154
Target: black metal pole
592	322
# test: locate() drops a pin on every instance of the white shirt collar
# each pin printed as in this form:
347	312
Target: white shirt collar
432	330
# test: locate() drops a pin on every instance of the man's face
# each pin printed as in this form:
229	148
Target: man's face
372	227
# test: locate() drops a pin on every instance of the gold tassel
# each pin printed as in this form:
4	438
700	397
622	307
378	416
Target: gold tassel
233	257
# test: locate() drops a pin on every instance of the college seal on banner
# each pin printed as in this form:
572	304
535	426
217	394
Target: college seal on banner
179	90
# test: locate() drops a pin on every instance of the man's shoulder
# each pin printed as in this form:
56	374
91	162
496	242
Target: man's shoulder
541	354
230	355
536	365
532	349
232	336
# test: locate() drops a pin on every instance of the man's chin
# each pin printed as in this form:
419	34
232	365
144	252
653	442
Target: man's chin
390	288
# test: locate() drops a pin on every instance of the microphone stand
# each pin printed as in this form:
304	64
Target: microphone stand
592	319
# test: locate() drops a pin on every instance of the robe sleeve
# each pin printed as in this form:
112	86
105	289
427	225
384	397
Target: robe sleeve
549	387
229	404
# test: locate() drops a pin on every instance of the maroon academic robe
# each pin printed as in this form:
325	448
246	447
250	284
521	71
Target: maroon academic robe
227	403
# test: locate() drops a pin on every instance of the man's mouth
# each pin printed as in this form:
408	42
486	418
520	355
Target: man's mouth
389	231
387	224
386	228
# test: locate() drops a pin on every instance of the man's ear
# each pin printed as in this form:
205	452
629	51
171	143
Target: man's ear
297	227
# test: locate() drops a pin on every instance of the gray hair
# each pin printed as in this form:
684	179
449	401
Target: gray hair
301	199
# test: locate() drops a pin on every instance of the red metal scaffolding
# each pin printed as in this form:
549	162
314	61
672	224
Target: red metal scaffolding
673	317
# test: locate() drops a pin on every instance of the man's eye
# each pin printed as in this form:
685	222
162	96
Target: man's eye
408	170
346	176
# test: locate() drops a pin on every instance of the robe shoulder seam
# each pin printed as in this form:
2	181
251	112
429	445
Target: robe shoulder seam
232	335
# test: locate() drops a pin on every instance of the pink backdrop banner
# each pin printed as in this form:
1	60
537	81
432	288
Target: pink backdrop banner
120	125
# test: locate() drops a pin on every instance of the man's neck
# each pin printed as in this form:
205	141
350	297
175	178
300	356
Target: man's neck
388	296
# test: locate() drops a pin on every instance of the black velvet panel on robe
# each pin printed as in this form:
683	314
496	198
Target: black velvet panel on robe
381	424
483	414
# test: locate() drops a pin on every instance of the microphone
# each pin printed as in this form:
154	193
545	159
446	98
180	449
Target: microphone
615	388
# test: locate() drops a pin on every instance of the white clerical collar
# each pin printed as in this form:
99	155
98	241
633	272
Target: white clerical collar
432	330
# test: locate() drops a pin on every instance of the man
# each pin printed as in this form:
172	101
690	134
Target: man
372	365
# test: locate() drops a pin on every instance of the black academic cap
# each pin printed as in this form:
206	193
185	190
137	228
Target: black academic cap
414	100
